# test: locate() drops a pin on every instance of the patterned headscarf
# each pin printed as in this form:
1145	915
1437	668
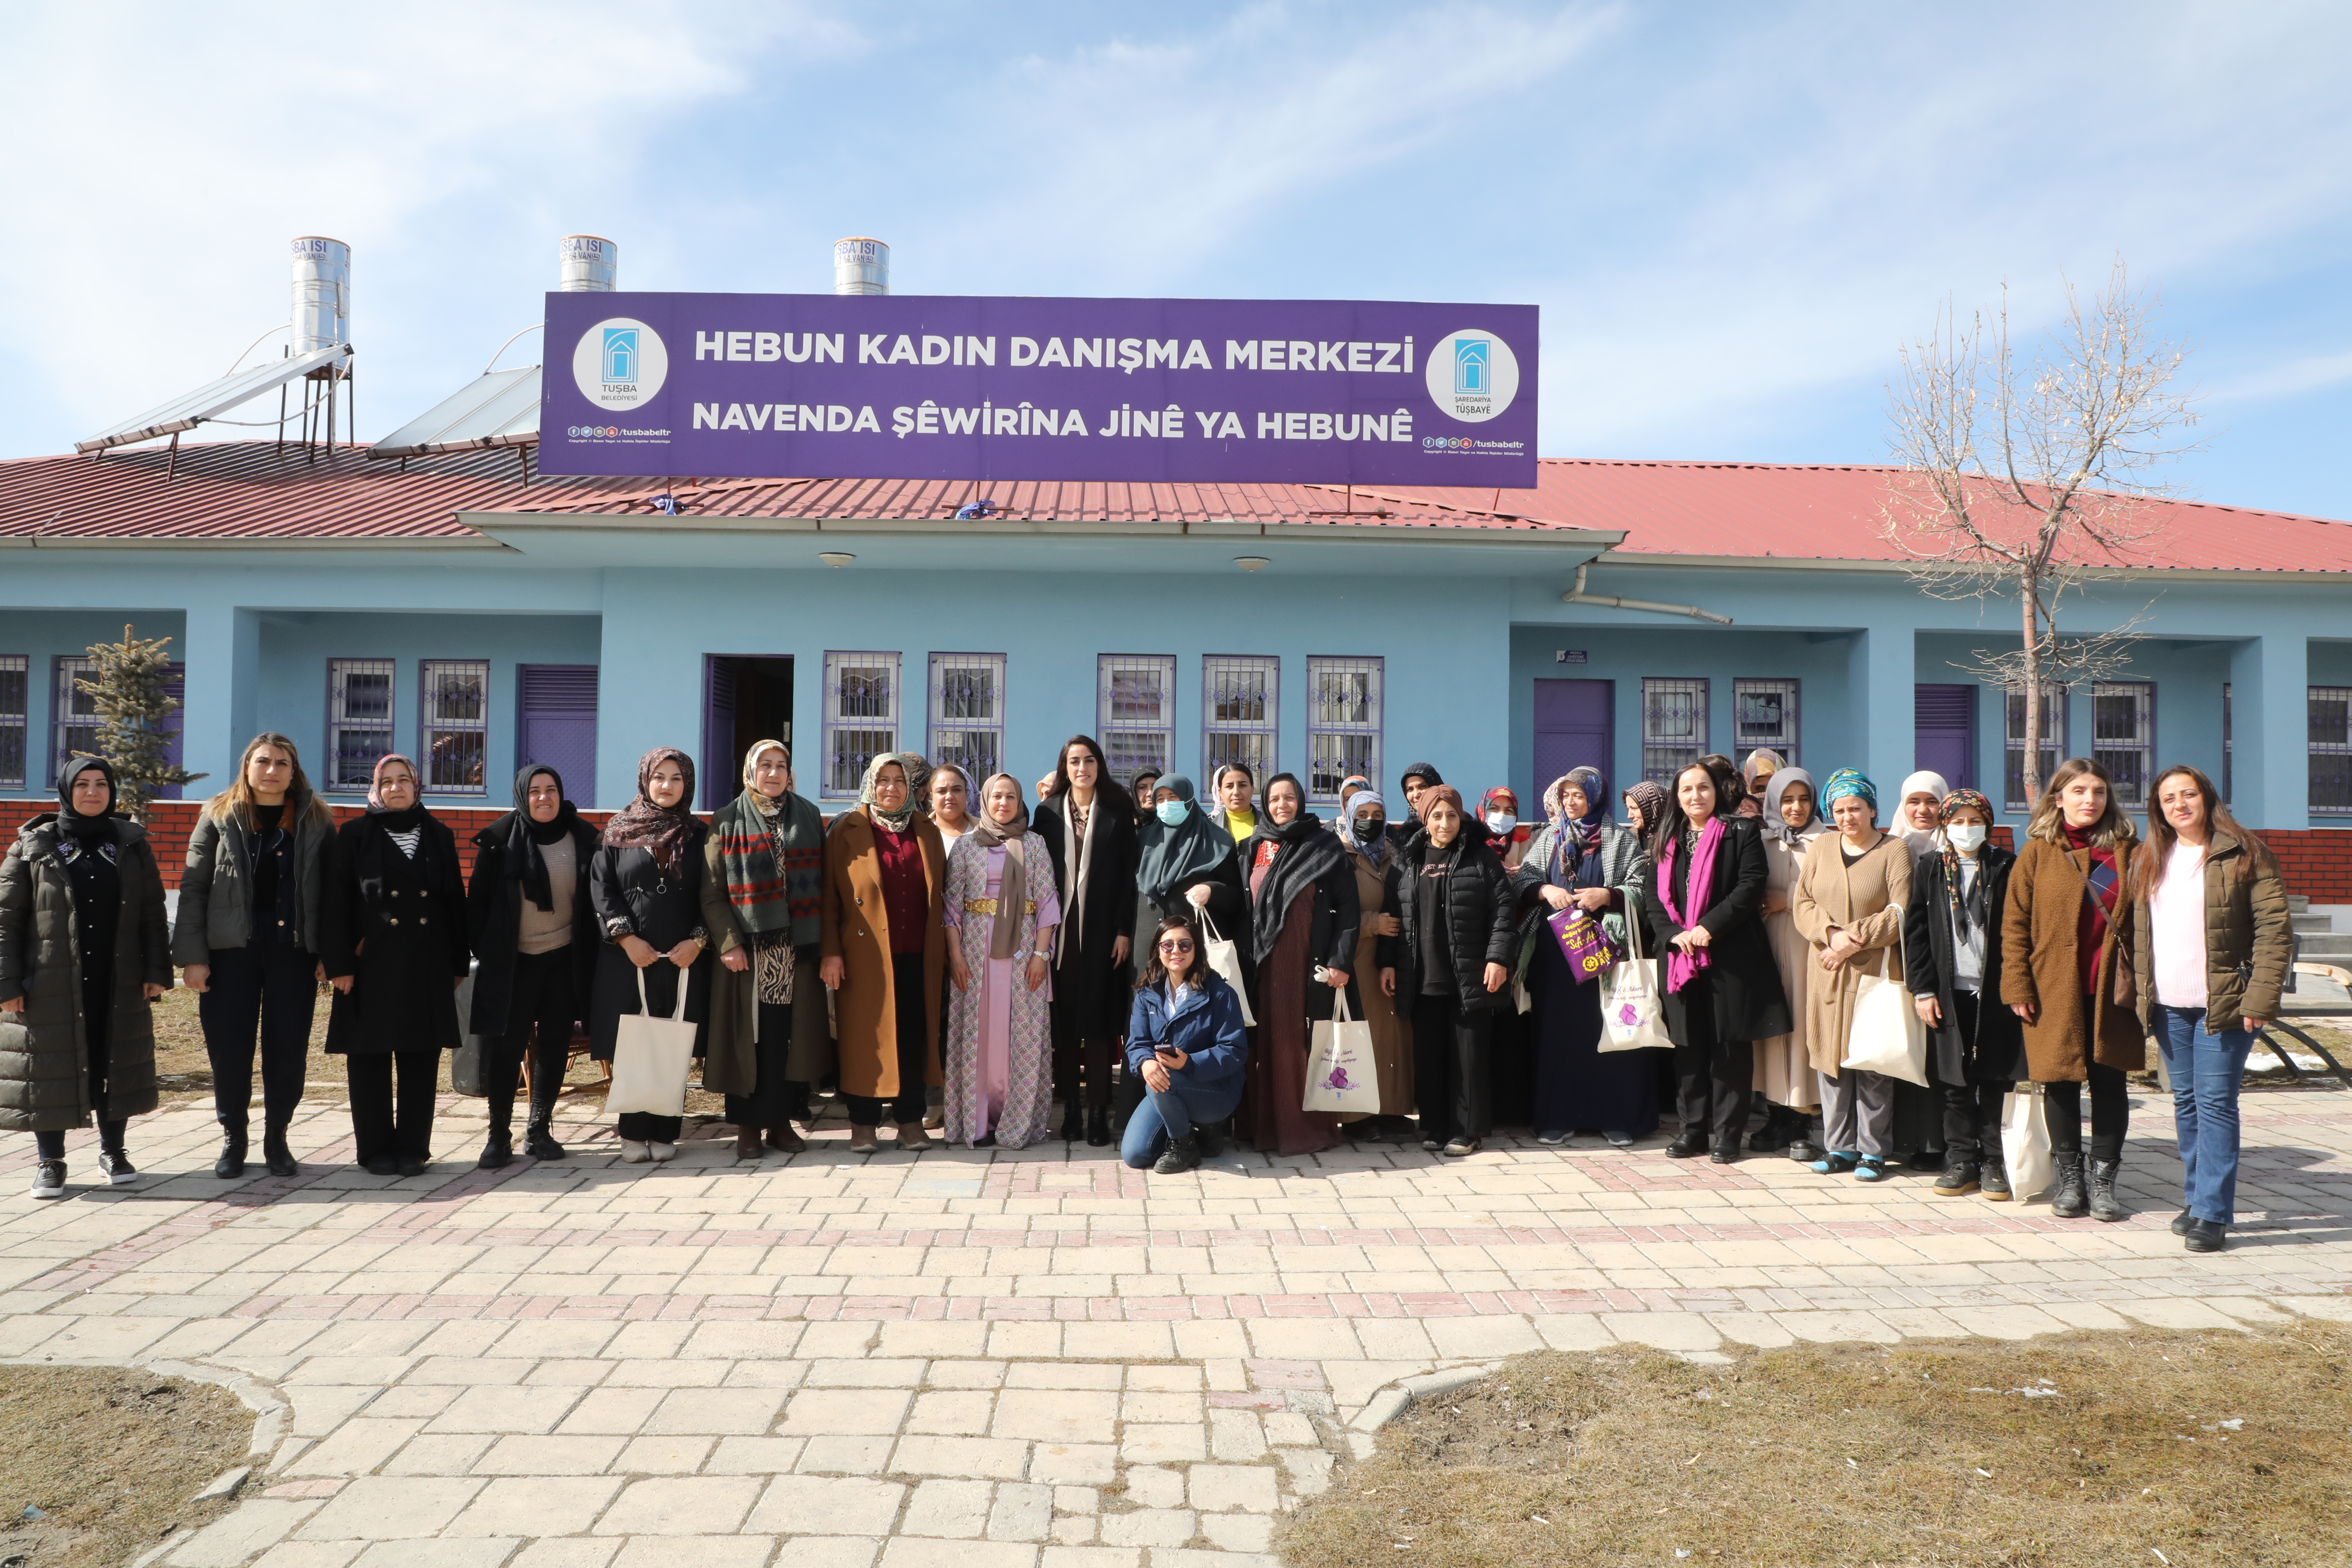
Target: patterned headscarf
1846	782
1650	797
661	829
895	820
1960	800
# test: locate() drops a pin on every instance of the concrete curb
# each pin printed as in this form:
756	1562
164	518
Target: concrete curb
1393	1400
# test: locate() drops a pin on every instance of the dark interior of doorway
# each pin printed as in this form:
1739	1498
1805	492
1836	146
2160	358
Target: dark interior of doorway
746	699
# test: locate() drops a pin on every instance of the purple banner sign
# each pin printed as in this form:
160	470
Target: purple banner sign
950	387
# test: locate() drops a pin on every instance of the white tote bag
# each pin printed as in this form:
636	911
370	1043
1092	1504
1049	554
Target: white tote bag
651	1058
1226	961
2025	1141
1339	1074
1885	1035
1629	1007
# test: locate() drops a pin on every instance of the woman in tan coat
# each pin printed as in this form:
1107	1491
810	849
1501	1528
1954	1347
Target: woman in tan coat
1849	905
1784	1070
885	945
2066	971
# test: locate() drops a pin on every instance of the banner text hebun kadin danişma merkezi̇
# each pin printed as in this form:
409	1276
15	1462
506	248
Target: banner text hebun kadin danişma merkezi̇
951	387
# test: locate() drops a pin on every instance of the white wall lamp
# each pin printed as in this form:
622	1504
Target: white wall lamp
1250	562
835	557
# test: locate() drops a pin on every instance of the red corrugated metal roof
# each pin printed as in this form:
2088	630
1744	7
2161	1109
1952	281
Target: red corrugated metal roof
1832	513
232	492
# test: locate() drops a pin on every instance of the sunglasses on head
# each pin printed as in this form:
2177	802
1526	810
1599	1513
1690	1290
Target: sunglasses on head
1179	945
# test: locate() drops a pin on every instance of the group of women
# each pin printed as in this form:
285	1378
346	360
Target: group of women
946	934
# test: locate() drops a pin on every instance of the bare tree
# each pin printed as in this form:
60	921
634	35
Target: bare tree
2029	475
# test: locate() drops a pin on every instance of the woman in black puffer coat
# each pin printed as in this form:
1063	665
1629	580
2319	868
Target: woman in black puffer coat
1454	973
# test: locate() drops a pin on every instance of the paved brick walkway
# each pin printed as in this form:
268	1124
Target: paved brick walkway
997	1360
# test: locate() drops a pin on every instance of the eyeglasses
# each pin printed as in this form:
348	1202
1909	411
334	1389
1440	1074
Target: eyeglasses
1175	947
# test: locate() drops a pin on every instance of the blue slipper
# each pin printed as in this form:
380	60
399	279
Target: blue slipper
1836	1162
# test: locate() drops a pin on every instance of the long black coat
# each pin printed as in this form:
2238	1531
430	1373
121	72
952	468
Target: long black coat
397	926
633	896
1997	1053
1334	911
1093	993
1229	907
1741	981
1481	927
494	922
45	1049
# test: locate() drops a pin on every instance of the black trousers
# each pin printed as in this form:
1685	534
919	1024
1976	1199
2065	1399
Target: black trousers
1712	1077
1971	1111
772	1104
545	1002
386	1121
1080	1061
272	987
907	1000
1450	1067
2110	1114
52	1145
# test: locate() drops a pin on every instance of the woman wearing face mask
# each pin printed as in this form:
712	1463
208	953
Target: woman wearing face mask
1952	953
534	936
247	939
885	937
1086	833
1718	989
762	889
1849	905
1784	1071
394	946
646	882
1303	923
1002	912
1505	834
1581	859
1454	972
949	795
83	950
1374	861
2067	971
1186	868
2212	938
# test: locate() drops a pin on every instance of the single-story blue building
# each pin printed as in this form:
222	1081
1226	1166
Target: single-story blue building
1627	615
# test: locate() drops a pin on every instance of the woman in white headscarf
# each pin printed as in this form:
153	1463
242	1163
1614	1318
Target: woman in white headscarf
1918	812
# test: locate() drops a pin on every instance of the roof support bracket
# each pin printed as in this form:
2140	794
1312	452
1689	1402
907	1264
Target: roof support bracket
1576	596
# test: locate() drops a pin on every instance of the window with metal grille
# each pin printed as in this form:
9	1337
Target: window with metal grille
1135	712
454	724
73	715
861	717
1764	714
359	720
968	713
1674	727
2331	750
14	687
2012	744
2123	737
1343	724
1241	702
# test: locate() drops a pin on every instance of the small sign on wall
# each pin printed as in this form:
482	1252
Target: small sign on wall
1567	656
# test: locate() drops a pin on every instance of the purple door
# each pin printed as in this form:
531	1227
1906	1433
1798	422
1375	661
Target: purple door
1944	732
558	729
1575	728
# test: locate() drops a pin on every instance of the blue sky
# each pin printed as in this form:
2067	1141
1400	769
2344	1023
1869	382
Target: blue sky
1731	215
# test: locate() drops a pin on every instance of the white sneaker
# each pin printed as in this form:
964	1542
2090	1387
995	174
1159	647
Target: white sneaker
663	1153
634	1153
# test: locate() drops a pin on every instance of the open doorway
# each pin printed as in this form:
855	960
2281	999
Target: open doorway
746	697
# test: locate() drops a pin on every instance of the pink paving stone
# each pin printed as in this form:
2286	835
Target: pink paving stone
962	1308
1383	1304
1013	1309
1299	1307
1158	1308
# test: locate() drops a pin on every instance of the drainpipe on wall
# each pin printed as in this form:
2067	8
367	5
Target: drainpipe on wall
1576	596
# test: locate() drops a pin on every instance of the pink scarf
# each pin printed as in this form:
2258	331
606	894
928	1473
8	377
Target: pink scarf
1680	965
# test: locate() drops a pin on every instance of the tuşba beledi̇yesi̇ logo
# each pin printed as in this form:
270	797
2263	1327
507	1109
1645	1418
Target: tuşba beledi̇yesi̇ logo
620	363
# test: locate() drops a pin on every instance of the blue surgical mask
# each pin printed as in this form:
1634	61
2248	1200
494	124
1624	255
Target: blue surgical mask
1173	812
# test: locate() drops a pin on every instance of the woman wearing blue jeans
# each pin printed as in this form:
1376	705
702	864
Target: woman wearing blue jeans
2211	946
1185	1041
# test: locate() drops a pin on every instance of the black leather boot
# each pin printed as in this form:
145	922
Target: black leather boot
498	1151
1097	1125
274	1153
2068	1197
1211	1136
231	1164
1183	1154
2104	1204
1073	1123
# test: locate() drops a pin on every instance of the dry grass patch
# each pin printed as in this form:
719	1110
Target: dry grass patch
2203	1449
112	1458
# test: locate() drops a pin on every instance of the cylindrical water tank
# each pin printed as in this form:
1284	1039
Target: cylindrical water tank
861	265
323	293
588	264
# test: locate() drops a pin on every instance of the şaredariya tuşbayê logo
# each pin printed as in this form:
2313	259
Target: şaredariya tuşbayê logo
1473	376
620	363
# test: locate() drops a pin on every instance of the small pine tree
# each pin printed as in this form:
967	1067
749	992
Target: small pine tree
132	706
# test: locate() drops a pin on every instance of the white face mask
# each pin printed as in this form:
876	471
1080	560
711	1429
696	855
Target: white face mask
1173	812
1967	837
1500	822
